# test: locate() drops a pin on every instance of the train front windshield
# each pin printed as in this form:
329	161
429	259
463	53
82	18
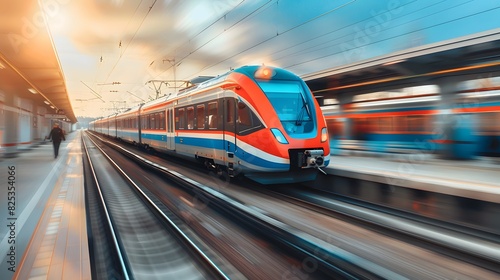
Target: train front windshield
291	105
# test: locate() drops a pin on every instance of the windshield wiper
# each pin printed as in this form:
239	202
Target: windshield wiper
300	117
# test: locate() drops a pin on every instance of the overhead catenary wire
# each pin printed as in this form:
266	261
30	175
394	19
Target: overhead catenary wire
248	15
133	36
392	37
279	34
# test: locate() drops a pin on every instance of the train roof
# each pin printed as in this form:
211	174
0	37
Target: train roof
204	82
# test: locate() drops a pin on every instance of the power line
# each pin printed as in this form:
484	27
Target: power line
395	36
219	34
131	39
278	34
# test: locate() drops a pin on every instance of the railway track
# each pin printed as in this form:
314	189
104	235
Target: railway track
330	250
145	242
295	244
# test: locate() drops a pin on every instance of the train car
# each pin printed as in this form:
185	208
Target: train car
127	126
153	125
101	126
257	121
386	124
112	126
479	111
469	128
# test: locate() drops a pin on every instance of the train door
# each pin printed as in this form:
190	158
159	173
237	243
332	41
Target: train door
170	129
229	128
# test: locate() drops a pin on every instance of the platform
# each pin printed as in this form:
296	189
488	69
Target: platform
477	179
48	223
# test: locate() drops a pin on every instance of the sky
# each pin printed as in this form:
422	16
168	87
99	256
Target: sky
115	53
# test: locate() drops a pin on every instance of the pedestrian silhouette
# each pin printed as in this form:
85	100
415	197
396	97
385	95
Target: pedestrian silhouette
56	134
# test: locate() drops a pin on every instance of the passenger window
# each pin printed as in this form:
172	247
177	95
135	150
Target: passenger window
151	121
190	117
230	111
416	123
157	121
200	116
385	124
400	124
212	115
247	121
244	117
180	118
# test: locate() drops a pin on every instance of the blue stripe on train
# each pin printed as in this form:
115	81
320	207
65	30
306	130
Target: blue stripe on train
219	144
154	137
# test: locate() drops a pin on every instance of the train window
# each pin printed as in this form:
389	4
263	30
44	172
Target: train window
496	121
385	124
151	121
212	115
288	100
489	122
156	121
190	117
230	111
244	117
200	116
400	124
162	121
247	121
416	123
181	118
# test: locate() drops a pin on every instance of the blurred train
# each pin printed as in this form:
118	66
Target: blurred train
260	122
471	127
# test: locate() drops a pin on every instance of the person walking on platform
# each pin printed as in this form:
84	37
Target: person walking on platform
56	134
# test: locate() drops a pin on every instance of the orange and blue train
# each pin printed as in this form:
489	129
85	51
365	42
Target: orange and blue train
258	121
470	128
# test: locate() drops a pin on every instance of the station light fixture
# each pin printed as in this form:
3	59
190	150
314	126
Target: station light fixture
32	90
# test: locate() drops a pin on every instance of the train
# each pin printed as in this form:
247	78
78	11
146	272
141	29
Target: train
418	123
260	122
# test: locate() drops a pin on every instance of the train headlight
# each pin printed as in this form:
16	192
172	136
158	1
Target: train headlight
279	136
265	73
324	134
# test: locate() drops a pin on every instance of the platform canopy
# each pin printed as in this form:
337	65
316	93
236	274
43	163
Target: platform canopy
29	65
